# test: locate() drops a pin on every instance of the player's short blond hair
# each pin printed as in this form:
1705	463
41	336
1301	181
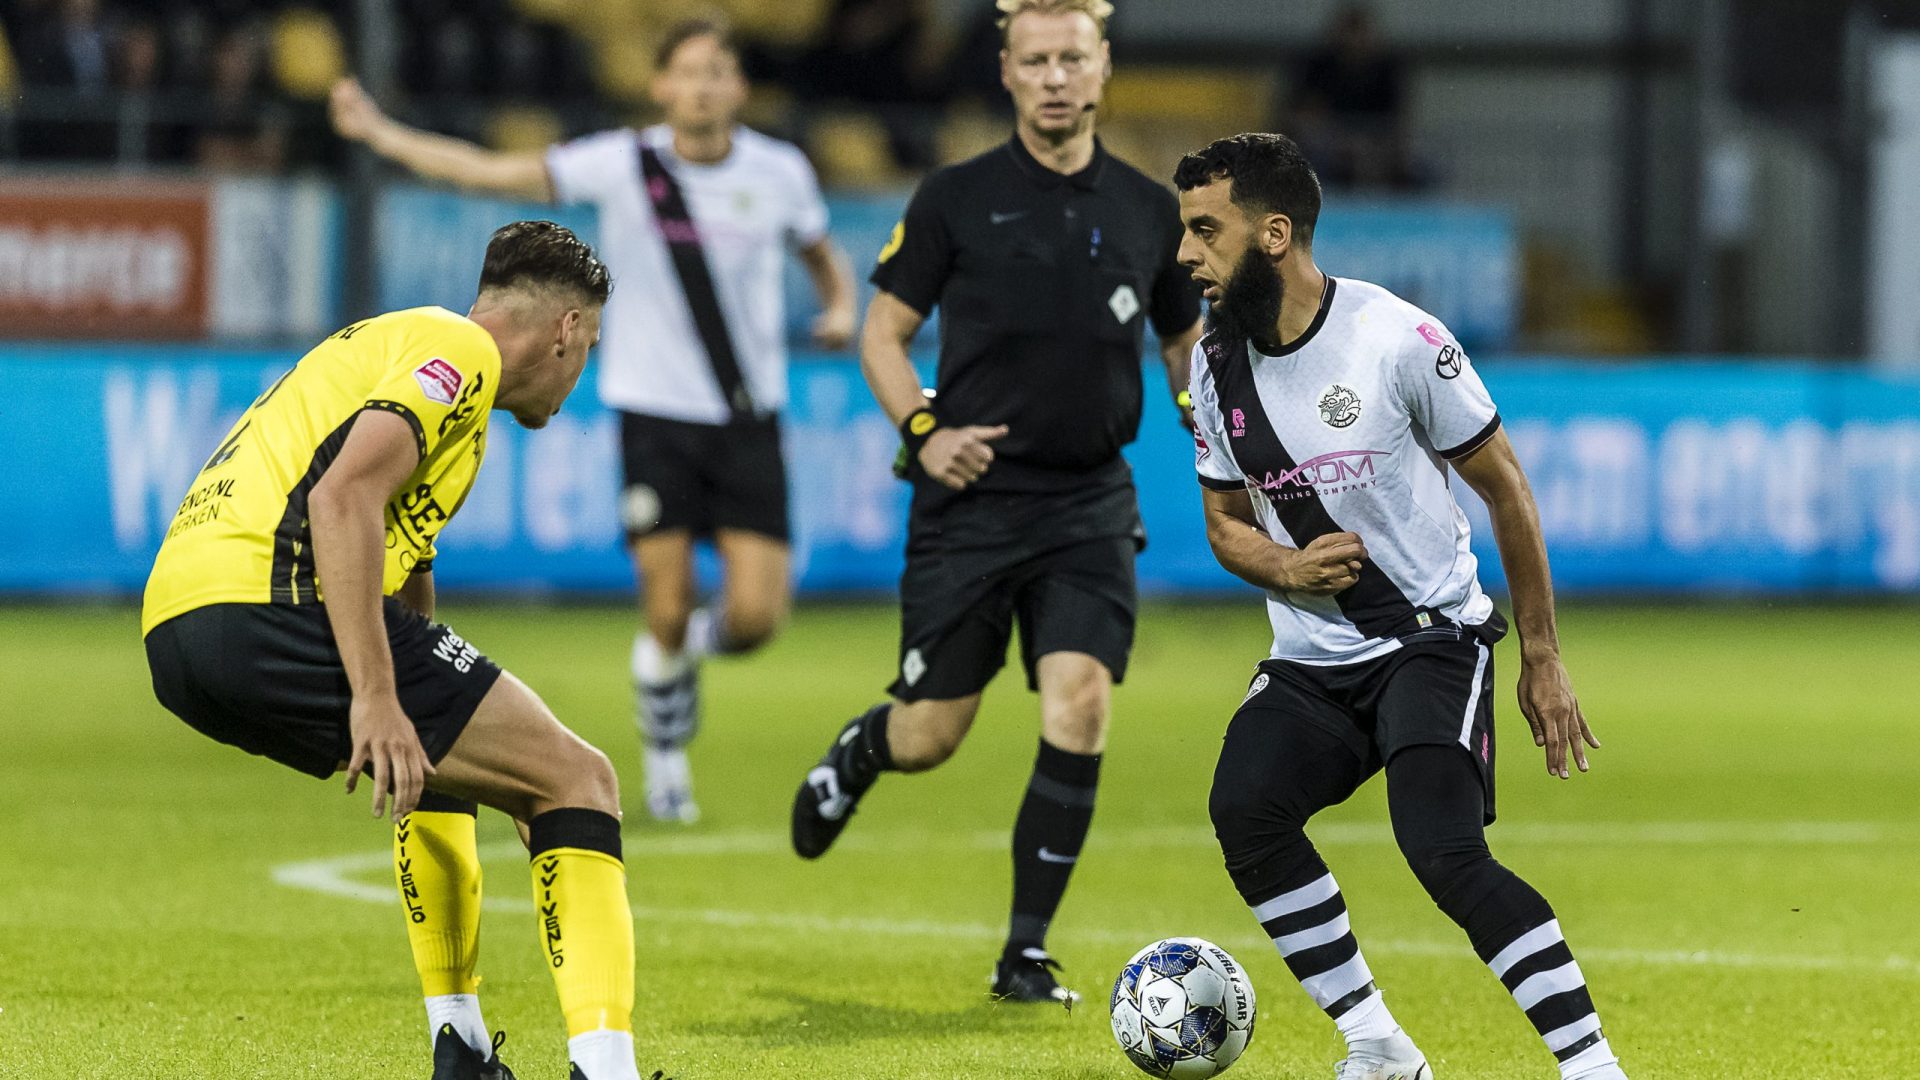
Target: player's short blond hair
1097	10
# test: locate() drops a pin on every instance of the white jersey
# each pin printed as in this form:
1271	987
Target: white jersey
1350	431
748	211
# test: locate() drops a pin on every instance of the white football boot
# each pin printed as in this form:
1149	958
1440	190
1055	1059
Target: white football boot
1391	1058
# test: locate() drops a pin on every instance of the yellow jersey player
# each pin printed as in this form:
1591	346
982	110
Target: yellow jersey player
289	614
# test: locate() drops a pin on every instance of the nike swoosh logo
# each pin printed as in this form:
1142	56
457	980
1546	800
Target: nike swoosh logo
1002	219
1064	860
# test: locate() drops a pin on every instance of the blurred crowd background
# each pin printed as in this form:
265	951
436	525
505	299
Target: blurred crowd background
1686	175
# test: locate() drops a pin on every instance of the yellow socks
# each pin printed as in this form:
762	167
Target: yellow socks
437	867
586	933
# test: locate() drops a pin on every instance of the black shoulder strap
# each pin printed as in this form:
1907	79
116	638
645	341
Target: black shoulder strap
696	280
1374	604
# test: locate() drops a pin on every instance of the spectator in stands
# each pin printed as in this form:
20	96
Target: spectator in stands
882	55
1349	106
64	45
139	72
246	127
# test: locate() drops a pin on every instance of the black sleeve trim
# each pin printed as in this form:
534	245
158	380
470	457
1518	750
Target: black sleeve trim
400	410
925	310
1216	484
1479	440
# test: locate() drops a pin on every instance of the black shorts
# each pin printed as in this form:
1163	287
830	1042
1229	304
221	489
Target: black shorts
958	607
703	477
1436	690
267	678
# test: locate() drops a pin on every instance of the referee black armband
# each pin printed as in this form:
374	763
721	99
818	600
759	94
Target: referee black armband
915	430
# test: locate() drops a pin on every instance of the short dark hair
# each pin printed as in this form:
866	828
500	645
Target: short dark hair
688	29
1270	176
543	254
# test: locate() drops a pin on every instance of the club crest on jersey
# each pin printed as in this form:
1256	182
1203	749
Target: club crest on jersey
1259	683
1339	406
439	380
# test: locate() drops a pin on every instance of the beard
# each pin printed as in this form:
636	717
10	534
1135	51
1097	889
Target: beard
1249	304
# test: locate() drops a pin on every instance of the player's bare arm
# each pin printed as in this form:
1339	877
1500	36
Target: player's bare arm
953	456
832	275
1546	692
1327	565
348	510
356	117
1177	354
417	593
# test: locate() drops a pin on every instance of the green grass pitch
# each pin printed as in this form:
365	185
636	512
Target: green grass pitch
1737	875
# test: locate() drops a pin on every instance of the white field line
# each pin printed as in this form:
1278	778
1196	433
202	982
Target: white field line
342	876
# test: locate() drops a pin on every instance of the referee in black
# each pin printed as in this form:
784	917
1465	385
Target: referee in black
1046	256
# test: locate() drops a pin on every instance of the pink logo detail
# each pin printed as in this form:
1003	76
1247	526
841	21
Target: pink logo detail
657	188
439	380
1239	423
1433	335
1200	447
1486	747
680	232
1338	471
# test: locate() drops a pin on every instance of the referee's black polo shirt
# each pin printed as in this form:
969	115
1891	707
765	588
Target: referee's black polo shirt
1045	283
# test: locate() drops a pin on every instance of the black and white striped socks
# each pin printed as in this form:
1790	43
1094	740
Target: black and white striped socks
1538	969
1309	926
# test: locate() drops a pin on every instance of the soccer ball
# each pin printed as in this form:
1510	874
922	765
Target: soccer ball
1182	1008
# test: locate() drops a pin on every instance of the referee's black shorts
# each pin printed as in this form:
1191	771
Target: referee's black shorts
958	609
703	477
268	679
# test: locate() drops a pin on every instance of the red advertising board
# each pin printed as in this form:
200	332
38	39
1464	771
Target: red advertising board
91	258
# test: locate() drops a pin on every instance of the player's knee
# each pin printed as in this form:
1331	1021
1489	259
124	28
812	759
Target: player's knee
751	626
590	782
1441	864
1074	716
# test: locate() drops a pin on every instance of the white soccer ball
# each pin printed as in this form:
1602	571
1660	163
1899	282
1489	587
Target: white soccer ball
1182	1008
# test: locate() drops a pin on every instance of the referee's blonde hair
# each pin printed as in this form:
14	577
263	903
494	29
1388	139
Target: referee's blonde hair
1097	10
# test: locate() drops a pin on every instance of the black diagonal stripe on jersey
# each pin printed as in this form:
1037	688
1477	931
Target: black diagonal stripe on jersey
1307	918
293	573
1374	604
696	279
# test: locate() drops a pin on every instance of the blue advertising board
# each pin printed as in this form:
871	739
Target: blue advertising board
1673	477
1459	262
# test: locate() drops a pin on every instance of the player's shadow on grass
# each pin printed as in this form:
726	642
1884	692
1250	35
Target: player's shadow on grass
816	1021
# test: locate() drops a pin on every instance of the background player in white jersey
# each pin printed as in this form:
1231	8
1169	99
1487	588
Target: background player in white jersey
694	215
1328	413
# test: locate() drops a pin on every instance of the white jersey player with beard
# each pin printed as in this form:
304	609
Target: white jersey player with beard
1367	406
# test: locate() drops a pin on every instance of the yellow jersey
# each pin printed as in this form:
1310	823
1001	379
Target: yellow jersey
241	534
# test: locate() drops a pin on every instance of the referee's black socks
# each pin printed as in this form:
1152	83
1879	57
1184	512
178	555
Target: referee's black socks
1047	836
867	753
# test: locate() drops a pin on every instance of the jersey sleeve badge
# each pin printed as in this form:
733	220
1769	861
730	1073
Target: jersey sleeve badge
439	380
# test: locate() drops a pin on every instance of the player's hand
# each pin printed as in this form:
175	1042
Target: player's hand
1183	401
833	329
1327	564
353	113
959	456
1547	701
385	743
